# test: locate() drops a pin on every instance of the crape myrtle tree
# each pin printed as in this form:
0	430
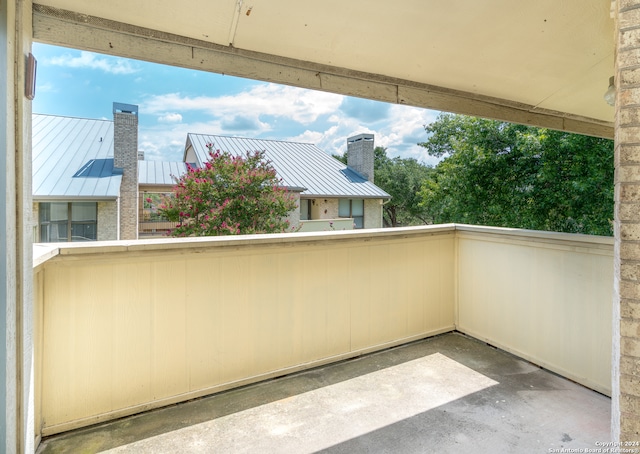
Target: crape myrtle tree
229	195
502	174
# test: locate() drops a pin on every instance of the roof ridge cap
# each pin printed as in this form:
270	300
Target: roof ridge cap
251	138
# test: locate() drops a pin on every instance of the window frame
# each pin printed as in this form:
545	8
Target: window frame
355	218
69	221
306	202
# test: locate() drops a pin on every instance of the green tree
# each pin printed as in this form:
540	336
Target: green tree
502	174
402	179
229	195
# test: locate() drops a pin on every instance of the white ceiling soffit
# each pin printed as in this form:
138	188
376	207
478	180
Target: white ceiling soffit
543	62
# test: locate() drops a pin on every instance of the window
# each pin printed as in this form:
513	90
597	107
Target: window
68	221
352	208
150	203
151	222
305	209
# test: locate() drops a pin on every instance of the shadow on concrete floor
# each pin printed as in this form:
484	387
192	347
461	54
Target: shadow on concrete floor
448	393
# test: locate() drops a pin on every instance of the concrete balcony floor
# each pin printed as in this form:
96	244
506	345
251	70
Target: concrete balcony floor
448	394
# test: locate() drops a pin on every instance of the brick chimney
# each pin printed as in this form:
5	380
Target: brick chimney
360	154
125	158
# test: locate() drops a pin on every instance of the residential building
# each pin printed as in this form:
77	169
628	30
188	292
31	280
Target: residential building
89	182
85	177
155	180
325	188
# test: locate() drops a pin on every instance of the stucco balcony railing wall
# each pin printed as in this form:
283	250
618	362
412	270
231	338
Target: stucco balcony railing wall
126	326
326	225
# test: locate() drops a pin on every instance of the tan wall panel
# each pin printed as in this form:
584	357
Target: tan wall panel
125	331
132	329
77	359
168	290
205	317
38	312
546	301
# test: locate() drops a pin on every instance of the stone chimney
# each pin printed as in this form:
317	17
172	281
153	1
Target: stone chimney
125	158
360	154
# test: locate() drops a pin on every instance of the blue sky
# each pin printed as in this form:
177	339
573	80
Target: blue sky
175	101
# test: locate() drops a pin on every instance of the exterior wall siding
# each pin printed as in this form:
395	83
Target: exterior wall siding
270	305
626	307
372	214
328	209
324	208
275	304
545	299
107	221
294	216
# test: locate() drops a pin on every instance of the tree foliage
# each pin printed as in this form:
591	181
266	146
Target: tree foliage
502	174
402	179
229	195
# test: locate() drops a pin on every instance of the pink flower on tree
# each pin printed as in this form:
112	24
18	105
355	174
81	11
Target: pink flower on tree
229	195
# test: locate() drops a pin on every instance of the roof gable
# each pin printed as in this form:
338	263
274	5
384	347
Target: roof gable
299	165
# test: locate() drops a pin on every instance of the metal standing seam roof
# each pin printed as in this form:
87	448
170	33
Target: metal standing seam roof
73	159
299	165
160	172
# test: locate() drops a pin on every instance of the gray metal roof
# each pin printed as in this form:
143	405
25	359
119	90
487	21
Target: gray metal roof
300	165
73	159
160	172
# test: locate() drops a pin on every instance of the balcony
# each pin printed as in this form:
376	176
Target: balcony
326	225
126	327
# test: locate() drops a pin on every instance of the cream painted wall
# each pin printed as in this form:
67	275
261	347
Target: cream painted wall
545	298
127	328
273	304
326	225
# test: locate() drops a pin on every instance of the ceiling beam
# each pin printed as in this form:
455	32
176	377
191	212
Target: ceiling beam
80	31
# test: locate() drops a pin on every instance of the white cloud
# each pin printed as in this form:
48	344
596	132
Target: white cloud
89	60
400	133
170	118
259	111
243	113
334	139
302	106
165	141
314	137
